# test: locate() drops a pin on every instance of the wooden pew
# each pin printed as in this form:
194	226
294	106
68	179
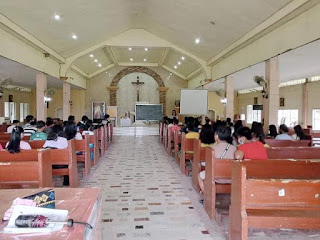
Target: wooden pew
6	136
170	142
315	138
160	131
165	135
27	169
3	127
83	146
288	143
66	157
274	194
101	141
36	144
110	126
217	181
93	139
293	153
186	152
177	144
198	157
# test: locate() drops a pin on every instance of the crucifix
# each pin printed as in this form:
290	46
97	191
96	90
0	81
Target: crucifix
138	83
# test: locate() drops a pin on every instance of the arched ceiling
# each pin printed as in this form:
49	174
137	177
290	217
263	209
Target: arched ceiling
178	22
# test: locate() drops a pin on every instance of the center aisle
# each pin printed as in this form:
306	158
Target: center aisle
142	197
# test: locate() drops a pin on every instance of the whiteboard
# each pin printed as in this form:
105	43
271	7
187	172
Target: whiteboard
193	101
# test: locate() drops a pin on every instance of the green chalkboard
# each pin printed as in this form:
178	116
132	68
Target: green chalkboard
149	112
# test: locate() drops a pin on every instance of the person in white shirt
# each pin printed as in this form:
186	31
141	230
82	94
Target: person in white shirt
283	133
15	123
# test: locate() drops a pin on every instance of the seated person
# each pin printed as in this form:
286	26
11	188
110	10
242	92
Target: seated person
30	126
56	139
298	133
222	150
15	123
175	125
106	119
39	135
283	133
71	119
207	135
71	131
49	125
16	144
191	134
249	149
272	131
89	128
258	134
82	123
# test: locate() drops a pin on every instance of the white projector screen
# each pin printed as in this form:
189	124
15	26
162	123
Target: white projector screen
194	101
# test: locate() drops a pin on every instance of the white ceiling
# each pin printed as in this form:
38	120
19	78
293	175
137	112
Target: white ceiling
179	22
24	76
297	64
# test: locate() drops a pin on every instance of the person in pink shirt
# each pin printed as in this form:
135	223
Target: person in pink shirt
16	144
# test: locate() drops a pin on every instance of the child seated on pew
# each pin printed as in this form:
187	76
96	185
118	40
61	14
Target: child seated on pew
249	148
272	131
39	135
258	134
16	144
207	135
222	150
191	134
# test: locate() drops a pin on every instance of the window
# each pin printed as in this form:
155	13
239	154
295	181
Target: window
253	115
316	119
10	110
24	111
289	117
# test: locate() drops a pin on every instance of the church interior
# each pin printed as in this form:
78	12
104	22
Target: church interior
95	126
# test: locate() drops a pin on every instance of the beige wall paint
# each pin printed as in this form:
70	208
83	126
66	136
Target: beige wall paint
215	104
97	87
292	96
195	82
276	42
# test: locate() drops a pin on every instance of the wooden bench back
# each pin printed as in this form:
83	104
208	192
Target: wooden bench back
288	143
27	168
83	146
293	153
177	142
186	144
277	183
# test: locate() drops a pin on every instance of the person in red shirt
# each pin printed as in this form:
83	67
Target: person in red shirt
249	148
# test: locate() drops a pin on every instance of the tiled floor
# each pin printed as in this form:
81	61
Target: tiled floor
142	194
146	197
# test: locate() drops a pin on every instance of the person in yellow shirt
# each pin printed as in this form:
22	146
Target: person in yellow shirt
191	133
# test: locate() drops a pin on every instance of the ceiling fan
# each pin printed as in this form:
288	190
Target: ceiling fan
262	83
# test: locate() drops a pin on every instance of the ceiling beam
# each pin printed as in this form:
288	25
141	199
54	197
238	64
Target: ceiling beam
101	70
79	71
13	29
163	56
139	64
287	13
174	72
109	54
194	73
113	55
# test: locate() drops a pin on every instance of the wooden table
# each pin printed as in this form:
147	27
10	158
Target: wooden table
83	204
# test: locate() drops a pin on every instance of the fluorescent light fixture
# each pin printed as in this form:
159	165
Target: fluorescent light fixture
179	63
131	59
47	99
99	65
74	36
175	67
145	59
182	58
130	48
223	100
95	60
91	55
197	41
57	17
146	49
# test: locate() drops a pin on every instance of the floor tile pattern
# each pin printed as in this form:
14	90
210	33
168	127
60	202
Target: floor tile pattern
142	195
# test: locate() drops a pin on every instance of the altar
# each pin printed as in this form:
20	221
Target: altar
125	122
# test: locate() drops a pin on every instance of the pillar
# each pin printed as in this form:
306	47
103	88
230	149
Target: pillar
66	100
272	102
163	98
229	89
305	97
41	88
113	95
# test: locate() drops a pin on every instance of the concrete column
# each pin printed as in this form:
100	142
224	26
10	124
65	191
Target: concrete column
1	109
66	100
41	88
272	103
229	87
305	104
